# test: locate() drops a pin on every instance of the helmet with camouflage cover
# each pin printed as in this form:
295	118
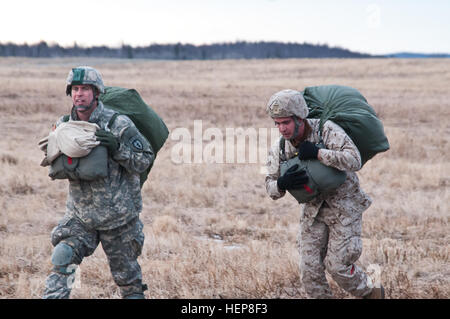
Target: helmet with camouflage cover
287	103
84	75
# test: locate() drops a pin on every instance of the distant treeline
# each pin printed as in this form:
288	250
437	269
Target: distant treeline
236	50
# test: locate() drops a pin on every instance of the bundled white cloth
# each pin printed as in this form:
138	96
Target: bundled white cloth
73	138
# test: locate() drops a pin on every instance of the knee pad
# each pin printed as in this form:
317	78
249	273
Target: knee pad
62	259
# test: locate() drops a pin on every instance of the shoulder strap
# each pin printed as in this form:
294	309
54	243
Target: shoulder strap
282	149
320	133
325	116
112	119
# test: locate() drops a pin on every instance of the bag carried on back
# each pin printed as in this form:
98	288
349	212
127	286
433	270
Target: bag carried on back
346	107
126	102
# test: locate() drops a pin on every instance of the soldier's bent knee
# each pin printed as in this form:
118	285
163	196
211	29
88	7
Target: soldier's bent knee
62	259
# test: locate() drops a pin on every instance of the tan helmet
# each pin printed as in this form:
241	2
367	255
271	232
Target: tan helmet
84	75
287	103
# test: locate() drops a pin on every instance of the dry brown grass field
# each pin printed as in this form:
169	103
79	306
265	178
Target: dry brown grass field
211	230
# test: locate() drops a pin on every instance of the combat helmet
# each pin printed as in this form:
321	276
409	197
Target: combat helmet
287	103
84	75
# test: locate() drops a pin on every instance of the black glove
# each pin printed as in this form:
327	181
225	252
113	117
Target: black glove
308	150
107	139
292	179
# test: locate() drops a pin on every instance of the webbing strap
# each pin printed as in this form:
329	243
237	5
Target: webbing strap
112	119
282	149
325	116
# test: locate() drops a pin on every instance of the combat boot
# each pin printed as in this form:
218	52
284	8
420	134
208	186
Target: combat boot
376	293
134	293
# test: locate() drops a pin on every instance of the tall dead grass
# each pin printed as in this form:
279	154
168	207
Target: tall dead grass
211	231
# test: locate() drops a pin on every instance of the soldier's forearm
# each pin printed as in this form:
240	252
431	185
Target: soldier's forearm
342	160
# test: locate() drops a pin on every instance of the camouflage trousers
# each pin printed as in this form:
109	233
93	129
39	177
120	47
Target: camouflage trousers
327	244
122	247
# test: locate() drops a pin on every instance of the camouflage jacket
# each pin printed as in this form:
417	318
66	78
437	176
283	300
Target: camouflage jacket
111	202
349	200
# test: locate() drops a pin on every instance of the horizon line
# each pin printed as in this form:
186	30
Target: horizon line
123	44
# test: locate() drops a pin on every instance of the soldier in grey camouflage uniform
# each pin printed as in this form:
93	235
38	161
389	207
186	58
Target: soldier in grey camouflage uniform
105	210
330	227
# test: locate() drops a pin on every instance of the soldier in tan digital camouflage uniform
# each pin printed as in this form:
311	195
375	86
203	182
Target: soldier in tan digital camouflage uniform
330	227
105	210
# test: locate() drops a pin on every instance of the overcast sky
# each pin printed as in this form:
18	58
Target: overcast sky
375	27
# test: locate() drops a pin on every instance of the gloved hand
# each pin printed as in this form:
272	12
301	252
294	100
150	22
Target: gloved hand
292	179
107	139
308	150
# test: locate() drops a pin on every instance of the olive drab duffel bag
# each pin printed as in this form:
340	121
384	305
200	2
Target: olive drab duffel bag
128	102
125	102
322	179
348	108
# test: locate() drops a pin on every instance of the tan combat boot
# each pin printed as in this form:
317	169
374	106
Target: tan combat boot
376	293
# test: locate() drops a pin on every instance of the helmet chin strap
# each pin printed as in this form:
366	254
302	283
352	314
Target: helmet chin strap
84	108
297	126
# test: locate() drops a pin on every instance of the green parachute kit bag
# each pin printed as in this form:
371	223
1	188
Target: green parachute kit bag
348	108
322	179
128	102
88	168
